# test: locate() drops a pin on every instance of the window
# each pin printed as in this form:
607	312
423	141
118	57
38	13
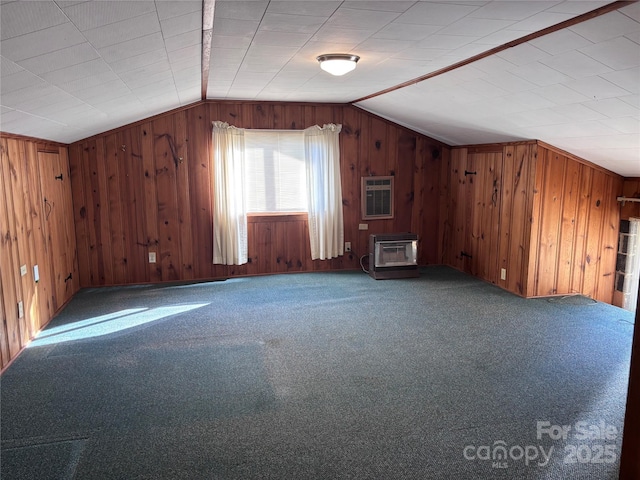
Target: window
285	176
275	171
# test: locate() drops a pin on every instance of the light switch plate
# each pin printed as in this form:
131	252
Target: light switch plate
23	270
20	309
36	273
152	257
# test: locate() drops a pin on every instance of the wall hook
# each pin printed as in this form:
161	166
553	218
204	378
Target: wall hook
124	148
58	177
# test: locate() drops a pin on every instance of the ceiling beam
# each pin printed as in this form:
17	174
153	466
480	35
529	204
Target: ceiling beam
208	7
527	38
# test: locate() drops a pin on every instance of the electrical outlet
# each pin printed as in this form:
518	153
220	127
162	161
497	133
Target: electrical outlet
152	257
363	226
23	270
503	274
347	246
20	309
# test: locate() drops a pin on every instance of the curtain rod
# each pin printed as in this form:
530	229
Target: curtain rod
627	199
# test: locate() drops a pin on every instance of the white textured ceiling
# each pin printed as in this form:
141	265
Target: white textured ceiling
71	69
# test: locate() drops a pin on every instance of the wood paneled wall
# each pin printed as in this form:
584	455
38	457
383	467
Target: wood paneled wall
36	229
546	218
486	223
147	187
575	225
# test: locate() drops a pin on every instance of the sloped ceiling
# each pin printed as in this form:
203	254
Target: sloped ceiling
71	69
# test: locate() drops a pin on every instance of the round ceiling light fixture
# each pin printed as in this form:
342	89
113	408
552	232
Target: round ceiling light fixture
338	63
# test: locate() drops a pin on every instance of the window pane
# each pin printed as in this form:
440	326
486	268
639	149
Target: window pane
276	176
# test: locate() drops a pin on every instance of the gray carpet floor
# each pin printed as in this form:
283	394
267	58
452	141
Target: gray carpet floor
319	376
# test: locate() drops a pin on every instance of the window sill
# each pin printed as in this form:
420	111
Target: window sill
276	217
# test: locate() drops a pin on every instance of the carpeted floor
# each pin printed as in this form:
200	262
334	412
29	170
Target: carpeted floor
319	376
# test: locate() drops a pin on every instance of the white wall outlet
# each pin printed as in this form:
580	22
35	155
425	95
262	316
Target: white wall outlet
36	273
503	274
363	226
347	246
152	257
20	309
23	270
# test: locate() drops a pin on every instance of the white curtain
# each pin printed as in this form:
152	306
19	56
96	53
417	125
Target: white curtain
324	191
229	210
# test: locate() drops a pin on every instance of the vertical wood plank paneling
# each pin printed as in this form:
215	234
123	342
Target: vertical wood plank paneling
536	185
26	163
21	165
404	172
101	202
522	186
533	217
44	287
430	159
176	219
30	235
551	215
376	152
115	183
571	191
397	148
609	243
460	192
496	203
95	276
531	226
417	220
293	117
481	214
73	284
582	230
578	225
24	286
133	169
377	147
182	191
48	166
154	271
167	164
506	227
350	175
364	170
471	213
279	247
9	261
445	199
79	196
592	255
200	187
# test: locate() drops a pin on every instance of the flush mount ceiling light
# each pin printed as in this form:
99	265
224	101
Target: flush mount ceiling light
338	63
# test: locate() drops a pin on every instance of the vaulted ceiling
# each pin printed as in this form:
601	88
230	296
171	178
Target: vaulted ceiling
565	72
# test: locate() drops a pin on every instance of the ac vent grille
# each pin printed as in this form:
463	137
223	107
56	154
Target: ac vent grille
377	197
